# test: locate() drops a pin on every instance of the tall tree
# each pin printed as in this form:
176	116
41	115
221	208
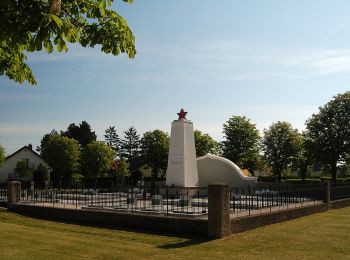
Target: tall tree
303	157
96	159
155	149
241	142
130	145
2	155
328	133
112	139
31	25
205	144
82	133
45	140
280	145
62	154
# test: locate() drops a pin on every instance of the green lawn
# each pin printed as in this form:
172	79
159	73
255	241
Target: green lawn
320	236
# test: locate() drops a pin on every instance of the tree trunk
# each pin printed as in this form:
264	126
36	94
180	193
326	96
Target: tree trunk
334	171
95	183
55	7
279	176
303	169
277	172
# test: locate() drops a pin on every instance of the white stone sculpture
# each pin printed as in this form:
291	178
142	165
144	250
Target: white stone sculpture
182	163
212	168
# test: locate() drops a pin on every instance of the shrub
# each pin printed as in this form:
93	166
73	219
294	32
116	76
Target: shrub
289	177
77	177
40	175
347	179
301	180
267	178
325	178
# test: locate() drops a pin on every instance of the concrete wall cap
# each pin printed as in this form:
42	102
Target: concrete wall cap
219	184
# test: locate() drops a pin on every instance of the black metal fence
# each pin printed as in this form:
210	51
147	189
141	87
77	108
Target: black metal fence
163	200
265	197
273	197
340	191
3	194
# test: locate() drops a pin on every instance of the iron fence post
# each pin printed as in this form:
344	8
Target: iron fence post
249	200
327	192
167	200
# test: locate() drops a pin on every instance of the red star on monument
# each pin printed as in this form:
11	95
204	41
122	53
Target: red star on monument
182	114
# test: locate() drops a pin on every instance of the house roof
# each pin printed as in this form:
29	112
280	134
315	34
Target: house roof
28	147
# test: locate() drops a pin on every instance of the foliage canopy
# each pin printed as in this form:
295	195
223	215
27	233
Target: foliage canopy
96	159
155	148
33	25
328	133
280	144
45	139
82	133
62	154
120	169
22	170
40	174
241	142
2	155
130	144
112	139
205	144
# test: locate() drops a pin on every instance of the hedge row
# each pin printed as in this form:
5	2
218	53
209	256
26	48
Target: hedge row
295	179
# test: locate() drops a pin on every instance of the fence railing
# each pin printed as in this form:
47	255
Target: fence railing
3	194
178	200
340	191
273	197
164	200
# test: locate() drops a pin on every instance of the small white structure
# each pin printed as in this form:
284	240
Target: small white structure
182	164
212	168
26	154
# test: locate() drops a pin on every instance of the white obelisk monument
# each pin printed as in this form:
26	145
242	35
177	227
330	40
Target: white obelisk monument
182	164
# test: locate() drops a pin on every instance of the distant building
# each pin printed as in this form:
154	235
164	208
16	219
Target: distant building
31	158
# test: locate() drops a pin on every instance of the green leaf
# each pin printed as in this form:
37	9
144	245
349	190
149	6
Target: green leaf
57	20
48	46
103	5
59	47
64	46
102	10
74	34
89	22
38	44
56	40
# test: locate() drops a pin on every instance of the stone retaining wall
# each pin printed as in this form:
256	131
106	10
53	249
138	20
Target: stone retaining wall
179	225
217	225
255	221
337	204
151	222
251	222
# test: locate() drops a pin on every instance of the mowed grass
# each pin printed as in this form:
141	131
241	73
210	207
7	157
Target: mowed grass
320	236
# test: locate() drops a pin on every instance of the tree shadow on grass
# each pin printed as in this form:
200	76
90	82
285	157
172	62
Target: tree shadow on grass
190	239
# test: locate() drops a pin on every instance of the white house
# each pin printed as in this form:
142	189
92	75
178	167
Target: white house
26	154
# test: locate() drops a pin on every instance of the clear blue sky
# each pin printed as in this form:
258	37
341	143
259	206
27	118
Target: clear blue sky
267	60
